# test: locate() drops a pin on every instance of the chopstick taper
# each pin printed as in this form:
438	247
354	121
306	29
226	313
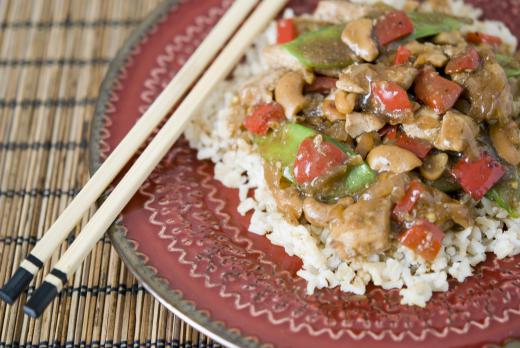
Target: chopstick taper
113	164
151	156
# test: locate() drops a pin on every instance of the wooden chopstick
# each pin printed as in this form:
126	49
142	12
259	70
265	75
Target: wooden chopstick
142	129
151	156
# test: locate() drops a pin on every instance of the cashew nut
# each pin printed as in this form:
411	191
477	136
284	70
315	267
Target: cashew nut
289	93
345	102
434	165
366	142
358	36
392	158
331	112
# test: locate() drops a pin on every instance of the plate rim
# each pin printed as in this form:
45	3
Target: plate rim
174	302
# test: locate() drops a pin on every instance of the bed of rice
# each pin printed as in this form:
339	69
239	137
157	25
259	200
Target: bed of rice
238	166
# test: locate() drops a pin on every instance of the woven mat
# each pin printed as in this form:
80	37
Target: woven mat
53	57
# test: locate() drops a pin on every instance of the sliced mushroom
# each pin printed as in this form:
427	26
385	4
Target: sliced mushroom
345	102
392	158
357	123
366	142
458	132
502	143
288	92
330	111
434	165
320	214
358	36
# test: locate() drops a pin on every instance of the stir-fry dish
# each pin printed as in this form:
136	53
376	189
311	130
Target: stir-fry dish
386	125
378	144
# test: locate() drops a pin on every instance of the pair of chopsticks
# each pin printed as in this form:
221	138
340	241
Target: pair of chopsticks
147	161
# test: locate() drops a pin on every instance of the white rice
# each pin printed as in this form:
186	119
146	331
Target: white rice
238	166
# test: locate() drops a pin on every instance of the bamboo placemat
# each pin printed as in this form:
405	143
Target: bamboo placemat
53	57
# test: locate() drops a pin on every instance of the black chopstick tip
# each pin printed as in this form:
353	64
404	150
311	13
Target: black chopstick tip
40	299
16	285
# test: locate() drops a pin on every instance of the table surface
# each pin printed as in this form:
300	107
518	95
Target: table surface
53	57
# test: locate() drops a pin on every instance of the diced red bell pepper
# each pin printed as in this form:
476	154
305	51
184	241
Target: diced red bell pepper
402	55
467	61
477	177
316	158
392	26
321	84
263	115
478	38
391	96
435	91
406	204
418	146
424	238
285	31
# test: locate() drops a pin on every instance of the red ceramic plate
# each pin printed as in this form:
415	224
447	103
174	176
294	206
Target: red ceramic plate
183	239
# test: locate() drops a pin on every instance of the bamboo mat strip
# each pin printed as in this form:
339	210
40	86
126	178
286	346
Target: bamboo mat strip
53	57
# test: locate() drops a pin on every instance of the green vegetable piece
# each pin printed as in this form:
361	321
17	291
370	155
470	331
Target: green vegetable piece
359	178
321	49
282	145
509	64
431	23
506	194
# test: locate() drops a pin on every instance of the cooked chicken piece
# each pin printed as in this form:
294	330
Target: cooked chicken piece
277	57
392	158
357	77
426	125
488	92
362	230
259	89
427	53
458	132
340	11
440	209
388	185
289	93
357	123
358	36
320	214
403	75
